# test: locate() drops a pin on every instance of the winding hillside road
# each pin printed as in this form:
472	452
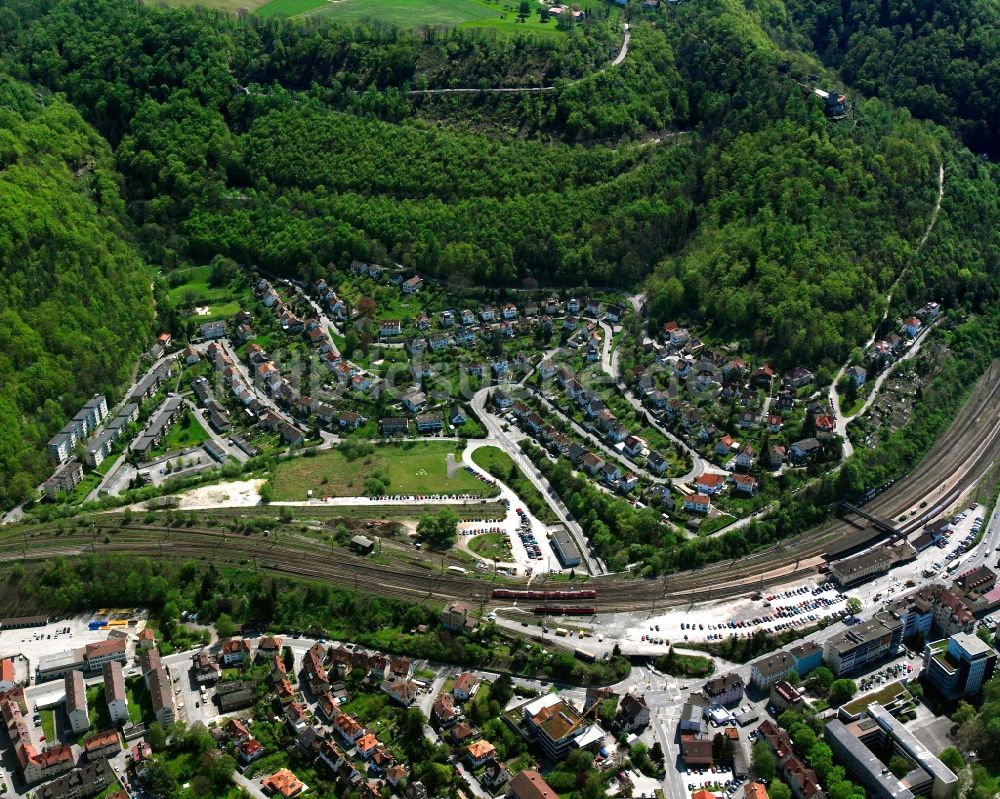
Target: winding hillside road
842	421
618	59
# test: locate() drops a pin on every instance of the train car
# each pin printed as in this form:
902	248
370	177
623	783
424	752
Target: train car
514	593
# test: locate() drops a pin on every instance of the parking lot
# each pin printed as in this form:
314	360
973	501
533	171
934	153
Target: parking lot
529	549
772	611
56	636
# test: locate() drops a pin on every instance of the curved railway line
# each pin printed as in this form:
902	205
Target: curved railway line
967	449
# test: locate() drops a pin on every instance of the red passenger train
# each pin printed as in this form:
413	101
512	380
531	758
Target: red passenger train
514	593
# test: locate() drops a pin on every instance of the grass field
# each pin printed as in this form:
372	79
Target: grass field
412	468
492	546
500	15
186	432
49	725
196	291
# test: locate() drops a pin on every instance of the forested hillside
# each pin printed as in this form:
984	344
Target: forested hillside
938	58
696	165
76	305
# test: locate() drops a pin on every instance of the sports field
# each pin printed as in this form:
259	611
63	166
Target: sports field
418	468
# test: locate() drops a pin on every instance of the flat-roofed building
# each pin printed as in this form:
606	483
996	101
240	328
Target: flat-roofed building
565	548
863	644
852	744
960	665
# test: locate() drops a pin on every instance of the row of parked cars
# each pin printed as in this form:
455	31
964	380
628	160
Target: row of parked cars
527	537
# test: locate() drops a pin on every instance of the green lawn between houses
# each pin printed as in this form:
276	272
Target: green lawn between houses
413	468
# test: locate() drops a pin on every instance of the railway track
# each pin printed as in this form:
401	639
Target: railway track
969	447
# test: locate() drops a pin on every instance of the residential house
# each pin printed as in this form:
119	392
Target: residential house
744	483
724	445
235	651
465	687
529	785
443	712
389	328
282	783
912	327
708	483
393	425
478	753
413	285
804	449
746	458
826	426
414	400
633	712
858	375
699	503
429	422
403	692
798	376
656	463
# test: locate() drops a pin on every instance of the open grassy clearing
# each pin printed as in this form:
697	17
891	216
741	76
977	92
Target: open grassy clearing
499	15
412	468
186	432
491	546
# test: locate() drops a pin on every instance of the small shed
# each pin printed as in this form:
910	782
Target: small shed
363	544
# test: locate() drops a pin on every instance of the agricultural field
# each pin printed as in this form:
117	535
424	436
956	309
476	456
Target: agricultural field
232	6
499	15
413	468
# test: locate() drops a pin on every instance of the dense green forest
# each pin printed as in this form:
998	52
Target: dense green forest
75	305
938	58
695	166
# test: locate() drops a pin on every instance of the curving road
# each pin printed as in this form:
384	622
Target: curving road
618	59
499	438
841	428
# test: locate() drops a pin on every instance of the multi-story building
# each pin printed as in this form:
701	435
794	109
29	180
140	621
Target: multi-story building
114	692
455	616
853	745
77	429
960	665
553	723
89	780
802	658
65	478
851	571
932	610
35	764
725	690
97	654
863	644
161	696
76	702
